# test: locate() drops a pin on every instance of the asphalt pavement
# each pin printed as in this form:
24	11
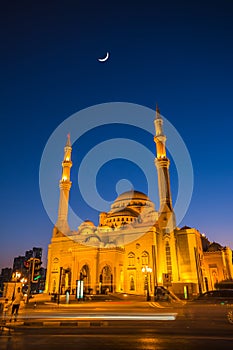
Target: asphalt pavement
117	323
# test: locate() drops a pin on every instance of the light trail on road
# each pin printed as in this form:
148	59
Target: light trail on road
117	317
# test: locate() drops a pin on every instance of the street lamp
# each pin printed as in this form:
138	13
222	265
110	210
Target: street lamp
146	270
59	285
23	281
16	276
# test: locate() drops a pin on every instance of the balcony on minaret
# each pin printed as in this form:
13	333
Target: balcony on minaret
67	156
161	156
160	145
67	163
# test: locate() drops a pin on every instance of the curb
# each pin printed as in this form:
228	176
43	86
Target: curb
86	324
95	321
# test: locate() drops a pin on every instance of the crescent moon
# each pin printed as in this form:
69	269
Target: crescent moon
104	59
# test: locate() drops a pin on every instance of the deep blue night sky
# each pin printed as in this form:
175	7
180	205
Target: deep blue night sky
176	53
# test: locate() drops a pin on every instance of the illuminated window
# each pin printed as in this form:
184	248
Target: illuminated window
54	286
55	264
168	258
131	259
145	258
132	284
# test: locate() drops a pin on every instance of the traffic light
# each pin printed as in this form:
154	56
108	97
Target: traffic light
36	270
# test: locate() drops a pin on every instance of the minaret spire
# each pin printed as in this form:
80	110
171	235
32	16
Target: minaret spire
162	164
68	143
160	138
65	185
157	115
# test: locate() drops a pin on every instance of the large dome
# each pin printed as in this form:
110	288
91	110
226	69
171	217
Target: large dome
131	195
127	208
132	199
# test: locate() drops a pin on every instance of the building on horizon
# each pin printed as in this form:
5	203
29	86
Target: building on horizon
20	262
34	253
5	276
30	271
135	248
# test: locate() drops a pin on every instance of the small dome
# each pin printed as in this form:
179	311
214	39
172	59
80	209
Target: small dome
93	239
87	227
214	247
185	228
87	223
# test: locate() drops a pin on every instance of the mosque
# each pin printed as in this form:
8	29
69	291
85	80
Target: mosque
134	248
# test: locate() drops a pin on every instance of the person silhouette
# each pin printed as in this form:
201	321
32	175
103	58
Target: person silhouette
18	296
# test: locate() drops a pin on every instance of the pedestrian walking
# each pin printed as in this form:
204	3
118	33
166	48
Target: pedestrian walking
17	298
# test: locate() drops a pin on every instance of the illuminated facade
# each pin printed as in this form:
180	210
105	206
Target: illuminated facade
134	247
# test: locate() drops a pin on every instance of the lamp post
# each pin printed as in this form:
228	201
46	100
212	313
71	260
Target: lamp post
30	277
146	270
59	285
17	275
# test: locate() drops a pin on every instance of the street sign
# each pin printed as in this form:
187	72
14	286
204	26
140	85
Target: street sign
79	289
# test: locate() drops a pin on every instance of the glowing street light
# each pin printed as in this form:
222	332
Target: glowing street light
146	270
23	281
16	276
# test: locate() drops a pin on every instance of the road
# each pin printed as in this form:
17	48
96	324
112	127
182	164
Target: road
119	325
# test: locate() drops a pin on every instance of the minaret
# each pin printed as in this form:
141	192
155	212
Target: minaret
65	185
166	215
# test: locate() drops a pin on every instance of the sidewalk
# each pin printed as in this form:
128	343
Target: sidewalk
44	302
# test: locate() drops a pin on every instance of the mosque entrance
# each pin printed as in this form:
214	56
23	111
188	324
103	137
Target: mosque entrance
106	280
85	277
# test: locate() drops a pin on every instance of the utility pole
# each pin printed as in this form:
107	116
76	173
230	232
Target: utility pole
30	277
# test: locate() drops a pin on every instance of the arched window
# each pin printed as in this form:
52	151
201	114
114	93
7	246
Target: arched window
84	275
168	258
54	286
106	280
131	259
55	267
145	258
132	284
